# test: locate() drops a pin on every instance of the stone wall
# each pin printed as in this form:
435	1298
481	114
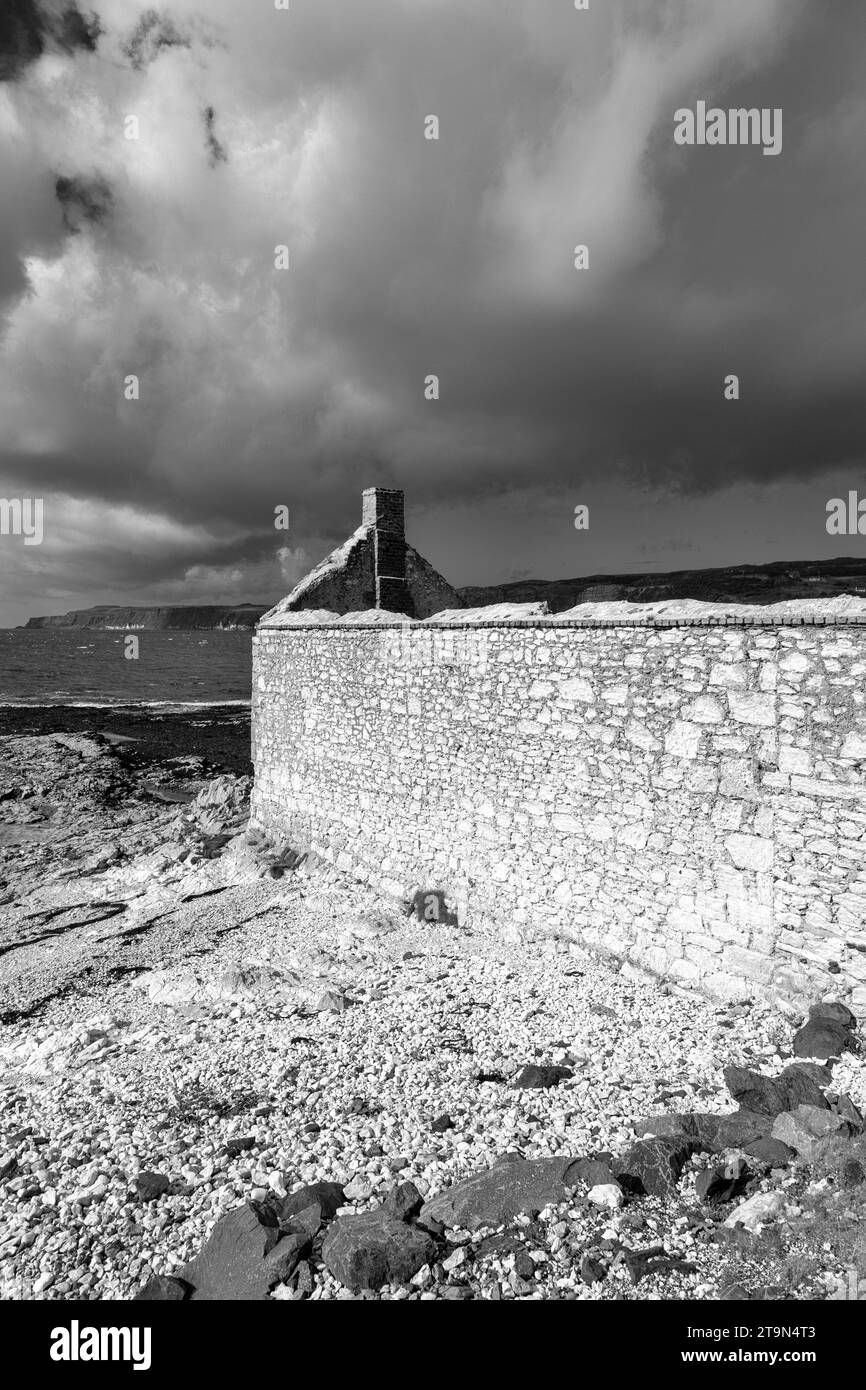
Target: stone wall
689	797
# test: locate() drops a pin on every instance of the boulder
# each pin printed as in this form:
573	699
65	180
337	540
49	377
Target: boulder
805	1129
328	1196
245	1255
770	1151
828	1031
495	1196
757	1211
653	1166
403	1201
375	1248
769	1095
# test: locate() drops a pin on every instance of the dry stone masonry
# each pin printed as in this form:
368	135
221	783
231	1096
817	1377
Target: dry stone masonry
686	795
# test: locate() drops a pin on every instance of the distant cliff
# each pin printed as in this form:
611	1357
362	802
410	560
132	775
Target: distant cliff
774	583
174	617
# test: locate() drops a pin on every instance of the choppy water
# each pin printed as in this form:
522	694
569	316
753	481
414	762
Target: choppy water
68	666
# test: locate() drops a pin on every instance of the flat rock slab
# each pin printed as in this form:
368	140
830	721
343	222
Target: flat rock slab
499	1194
375	1248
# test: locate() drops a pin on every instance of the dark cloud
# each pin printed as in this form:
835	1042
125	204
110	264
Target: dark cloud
82	200
216	151
153	33
261	386
29	28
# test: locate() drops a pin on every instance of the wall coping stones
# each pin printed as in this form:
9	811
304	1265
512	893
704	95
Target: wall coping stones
291	621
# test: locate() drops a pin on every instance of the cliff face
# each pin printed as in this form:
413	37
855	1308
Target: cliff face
778	582
178	617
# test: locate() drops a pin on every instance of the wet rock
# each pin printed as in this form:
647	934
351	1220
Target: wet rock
495	1196
767	1095
245	1255
540	1078
162	1289
806	1128
367	1251
653	1166
149	1186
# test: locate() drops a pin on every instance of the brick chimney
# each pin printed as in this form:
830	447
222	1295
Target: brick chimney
383	510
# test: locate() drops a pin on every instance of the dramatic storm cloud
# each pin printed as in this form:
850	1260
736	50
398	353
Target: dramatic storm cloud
254	128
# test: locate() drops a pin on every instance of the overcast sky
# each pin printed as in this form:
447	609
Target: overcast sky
262	387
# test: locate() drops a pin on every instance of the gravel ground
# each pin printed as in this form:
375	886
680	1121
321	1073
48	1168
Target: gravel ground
328	1032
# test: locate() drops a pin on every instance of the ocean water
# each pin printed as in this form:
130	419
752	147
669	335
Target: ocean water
75	666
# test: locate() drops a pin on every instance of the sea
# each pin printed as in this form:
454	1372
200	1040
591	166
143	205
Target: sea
80	667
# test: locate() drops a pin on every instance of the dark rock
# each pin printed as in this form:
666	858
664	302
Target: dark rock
403	1202
593	1171
235	1147
853	1173
367	1251
149	1186
441	1124
161	1288
834	1012
722	1184
715	1133
767	1095
495	1196
653	1166
845	1107
524	1265
665	1126
244	1256
770	1151
302	1281
533	1078
828	1032
8	1167
592	1268
328	1195
654	1260
307	1222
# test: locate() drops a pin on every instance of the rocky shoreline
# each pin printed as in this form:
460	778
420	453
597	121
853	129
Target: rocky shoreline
229	1073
